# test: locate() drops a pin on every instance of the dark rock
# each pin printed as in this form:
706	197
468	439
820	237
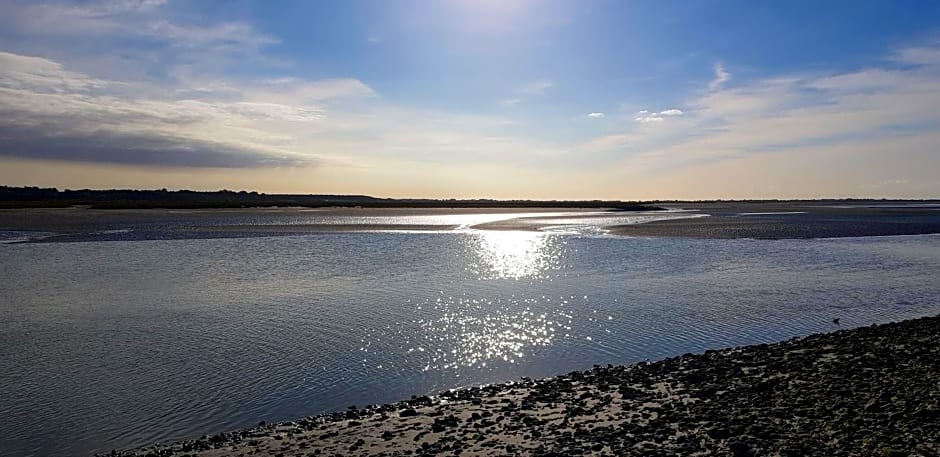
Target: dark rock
740	449
718	433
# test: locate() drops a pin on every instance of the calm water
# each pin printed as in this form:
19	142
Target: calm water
112	344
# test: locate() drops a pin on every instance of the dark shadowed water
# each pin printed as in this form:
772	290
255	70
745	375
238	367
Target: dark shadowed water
116	344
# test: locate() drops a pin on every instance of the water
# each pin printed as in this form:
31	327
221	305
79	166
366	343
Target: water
113	344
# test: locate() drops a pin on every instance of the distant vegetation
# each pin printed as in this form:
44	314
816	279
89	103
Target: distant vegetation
36	197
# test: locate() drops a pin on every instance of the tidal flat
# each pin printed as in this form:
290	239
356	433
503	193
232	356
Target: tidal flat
714	220
794	220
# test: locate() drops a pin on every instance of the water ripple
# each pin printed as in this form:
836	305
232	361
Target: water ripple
117	344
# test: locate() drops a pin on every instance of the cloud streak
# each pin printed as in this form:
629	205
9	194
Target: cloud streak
536	87
844	120
133	148
527	91
721	76
50	112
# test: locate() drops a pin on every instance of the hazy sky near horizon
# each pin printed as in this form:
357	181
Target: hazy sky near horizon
475	98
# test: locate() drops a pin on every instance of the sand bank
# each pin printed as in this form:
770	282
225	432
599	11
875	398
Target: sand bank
799	220
867	391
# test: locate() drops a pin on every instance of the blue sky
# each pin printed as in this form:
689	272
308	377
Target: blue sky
475	98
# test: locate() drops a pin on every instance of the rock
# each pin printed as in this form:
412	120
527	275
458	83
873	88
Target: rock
740	449
410	412
718	433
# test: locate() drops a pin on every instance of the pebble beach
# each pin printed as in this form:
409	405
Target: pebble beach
864	391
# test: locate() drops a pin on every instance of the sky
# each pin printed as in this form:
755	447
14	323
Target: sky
510	99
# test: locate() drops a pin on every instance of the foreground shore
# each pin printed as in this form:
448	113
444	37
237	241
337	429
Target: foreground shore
867	391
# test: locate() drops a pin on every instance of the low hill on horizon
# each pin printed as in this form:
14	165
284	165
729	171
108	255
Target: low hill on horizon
37	197
40	197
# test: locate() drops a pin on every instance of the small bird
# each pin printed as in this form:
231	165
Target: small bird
835	321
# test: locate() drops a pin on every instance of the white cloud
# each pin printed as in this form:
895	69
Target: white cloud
527	91
146	39
48	111
536	87
150	19
42	75
595	115
847	120
289	90
646	117
923	55
161	86
721	76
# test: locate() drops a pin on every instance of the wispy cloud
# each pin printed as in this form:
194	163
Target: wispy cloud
841	119
721	76
48	111
175	102
150	39
595	115
919	55
293	90
536	87
153	20
527	91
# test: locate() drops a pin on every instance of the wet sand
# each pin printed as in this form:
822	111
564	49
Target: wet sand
84	224
757	220
772	220
867	391
300	229
83	219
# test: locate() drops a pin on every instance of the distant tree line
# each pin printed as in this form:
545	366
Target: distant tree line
37	197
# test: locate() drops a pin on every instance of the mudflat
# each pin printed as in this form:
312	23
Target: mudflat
783	220
757	220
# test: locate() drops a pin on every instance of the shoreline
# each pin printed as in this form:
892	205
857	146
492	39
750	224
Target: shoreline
864	391
699	221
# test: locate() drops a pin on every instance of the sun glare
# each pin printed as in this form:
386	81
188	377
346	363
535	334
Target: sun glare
514	254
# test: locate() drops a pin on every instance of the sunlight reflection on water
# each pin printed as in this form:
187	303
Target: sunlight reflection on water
480	332
465	332
514	254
